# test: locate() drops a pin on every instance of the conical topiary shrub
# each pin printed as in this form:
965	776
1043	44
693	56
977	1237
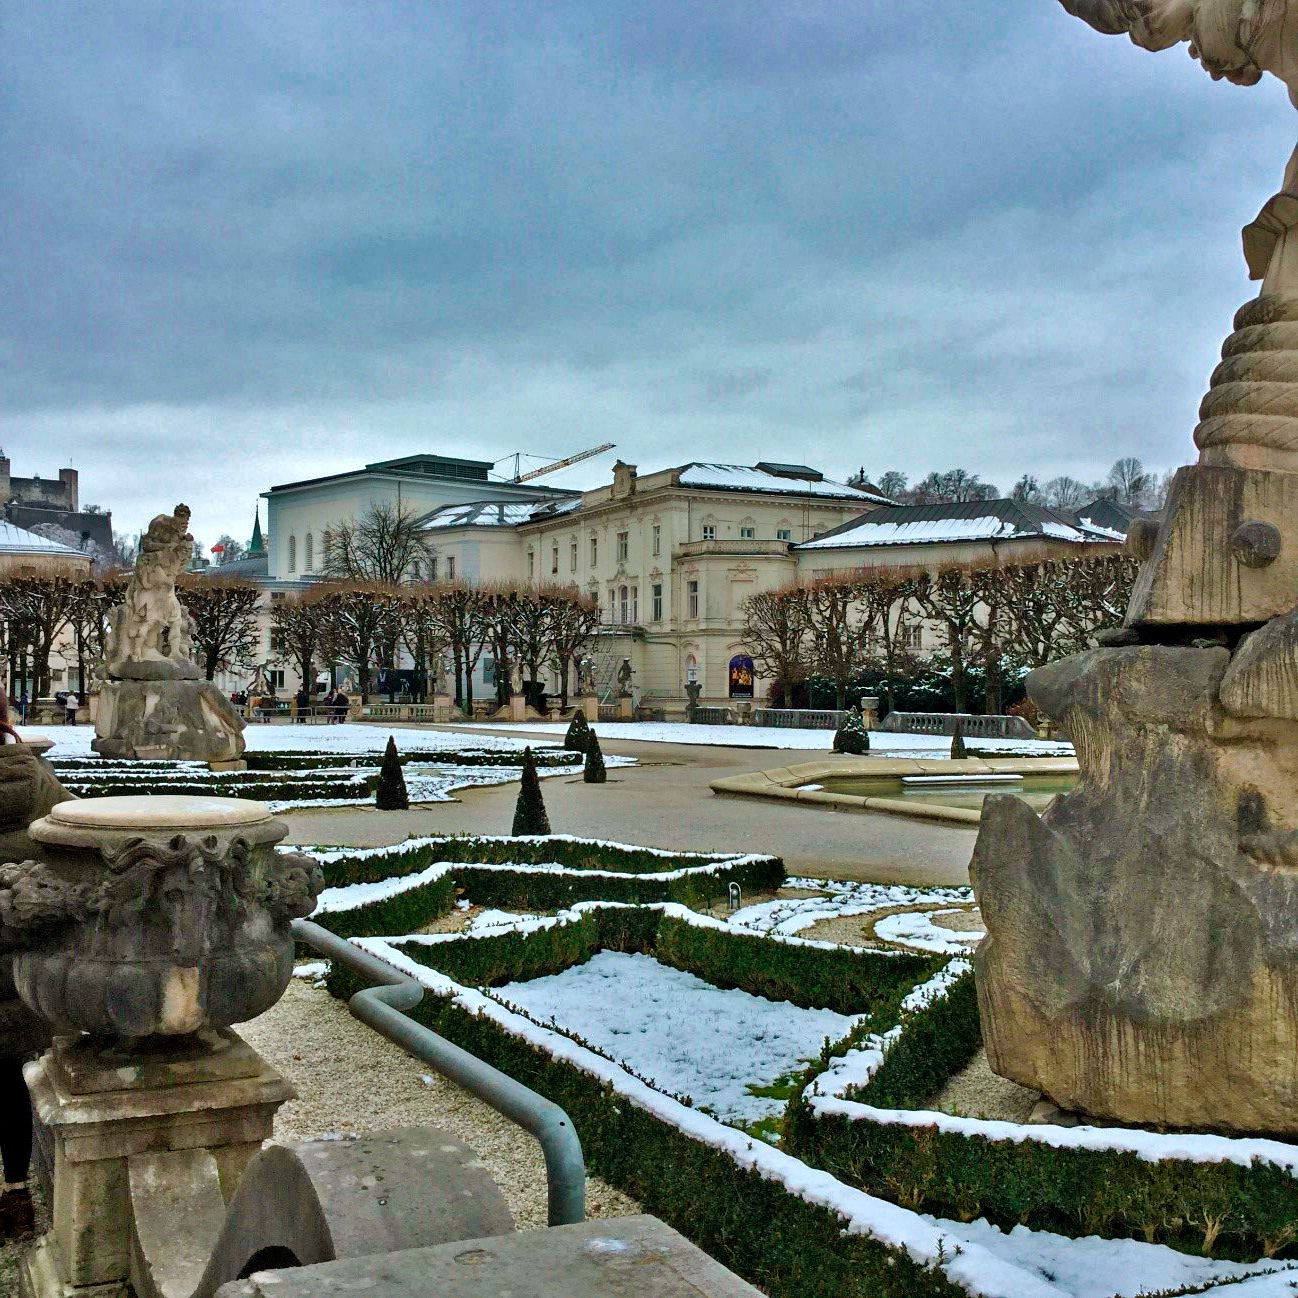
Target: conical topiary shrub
593	772
578	733
851	735
529	811
391	794
958	752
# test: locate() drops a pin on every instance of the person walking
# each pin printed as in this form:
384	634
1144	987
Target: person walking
341	702
303	701
71	701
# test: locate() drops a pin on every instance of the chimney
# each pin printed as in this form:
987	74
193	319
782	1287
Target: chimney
68	477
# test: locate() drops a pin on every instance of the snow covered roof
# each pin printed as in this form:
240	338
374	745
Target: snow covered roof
14	540
497	513
739	477
1109	520
975	520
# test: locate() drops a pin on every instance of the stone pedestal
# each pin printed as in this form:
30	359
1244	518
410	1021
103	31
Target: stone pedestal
103	1104
517	707
625	708
443	705
589	704
184	720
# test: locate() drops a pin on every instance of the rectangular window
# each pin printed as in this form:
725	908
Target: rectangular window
572	557
450	567
784	534
432	569
276	643
415	574
709	532
693	589
275	678
488	670
554	561
623	603
635	604
594	551
612	605
623	544
658	539
657	601
747	533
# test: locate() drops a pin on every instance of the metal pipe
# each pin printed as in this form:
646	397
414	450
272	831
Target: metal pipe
382	1007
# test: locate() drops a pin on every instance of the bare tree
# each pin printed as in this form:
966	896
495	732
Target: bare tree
223	619
1066	493
463	618
386	545
359	620
422	634
575	621
886	597
835	632
952	599
37	610
1130	481
299	627
775	633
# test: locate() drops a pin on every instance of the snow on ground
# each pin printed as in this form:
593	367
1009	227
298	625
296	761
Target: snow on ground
74	741
791	915
678	1032
1114	1268
916	929
881	744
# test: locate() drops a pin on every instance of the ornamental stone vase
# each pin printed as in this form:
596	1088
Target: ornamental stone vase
154	916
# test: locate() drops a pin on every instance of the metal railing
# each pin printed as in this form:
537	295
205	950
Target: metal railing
383	1007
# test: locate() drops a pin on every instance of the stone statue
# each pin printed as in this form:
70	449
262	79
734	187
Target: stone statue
624	679
149	635
586	677
153	702
1141	931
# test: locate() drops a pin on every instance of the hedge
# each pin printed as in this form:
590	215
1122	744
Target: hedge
262	791
788	1247
572	853
408	912
1222	1209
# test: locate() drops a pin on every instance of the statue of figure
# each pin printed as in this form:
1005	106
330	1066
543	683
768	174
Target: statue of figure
149	634
624	679
586	677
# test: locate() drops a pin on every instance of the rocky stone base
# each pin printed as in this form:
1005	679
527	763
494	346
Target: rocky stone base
180	720
1141	962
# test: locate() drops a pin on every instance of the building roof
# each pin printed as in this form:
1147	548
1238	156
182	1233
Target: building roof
782	479
445	467
1109	519
974	520
14	540
497	513
251	567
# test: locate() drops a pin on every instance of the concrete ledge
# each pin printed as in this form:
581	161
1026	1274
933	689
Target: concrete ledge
784	782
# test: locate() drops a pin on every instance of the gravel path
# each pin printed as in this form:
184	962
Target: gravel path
977	1092
349	1078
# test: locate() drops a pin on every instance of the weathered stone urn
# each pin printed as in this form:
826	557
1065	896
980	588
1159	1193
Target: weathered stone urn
154	916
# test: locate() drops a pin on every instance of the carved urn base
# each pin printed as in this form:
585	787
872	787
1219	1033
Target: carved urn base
154	915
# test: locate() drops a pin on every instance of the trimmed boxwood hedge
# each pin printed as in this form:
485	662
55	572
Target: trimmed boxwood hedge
1222	1209
788	1247
407	912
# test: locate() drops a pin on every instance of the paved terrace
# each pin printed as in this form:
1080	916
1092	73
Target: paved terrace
665	802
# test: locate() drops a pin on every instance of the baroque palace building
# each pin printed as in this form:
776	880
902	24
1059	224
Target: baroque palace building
670	555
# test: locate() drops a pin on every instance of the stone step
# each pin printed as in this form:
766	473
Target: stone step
626	1257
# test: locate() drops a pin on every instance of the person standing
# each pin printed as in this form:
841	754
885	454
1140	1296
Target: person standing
71	701
303	701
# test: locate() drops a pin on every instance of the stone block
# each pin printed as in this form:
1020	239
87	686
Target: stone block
185	720
1141	958
625	1257
1202	570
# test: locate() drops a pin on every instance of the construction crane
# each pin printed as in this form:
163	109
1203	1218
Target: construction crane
558	464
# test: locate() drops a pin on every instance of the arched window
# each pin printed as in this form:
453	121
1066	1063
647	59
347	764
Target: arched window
292	554
691	669
310	553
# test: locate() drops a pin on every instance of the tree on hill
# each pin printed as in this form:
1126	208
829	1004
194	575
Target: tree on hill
593	772
391	794
529	812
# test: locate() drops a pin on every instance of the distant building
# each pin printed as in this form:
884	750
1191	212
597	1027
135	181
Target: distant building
54	503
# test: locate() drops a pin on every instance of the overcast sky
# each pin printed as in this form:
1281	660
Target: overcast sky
246	243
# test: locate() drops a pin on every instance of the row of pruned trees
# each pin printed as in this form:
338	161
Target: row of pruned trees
365	625
986	615
527	630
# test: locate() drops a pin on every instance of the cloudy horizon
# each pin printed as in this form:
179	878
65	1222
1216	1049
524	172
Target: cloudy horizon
248	244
